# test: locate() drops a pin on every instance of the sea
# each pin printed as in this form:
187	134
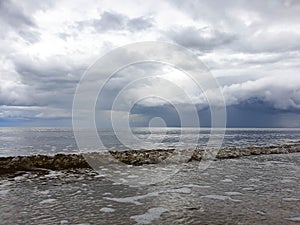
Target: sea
50	141
260	189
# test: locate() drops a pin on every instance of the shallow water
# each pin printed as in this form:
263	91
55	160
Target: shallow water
251	190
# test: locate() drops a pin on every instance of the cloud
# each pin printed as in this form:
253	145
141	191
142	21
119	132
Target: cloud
139	23
14	93
272	91
110	21
30	36
14	15
114	21
201	39
251	47
255	25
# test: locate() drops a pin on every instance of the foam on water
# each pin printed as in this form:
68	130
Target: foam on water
54	174
294	219
135	199
149	216
196	186
107	210
227	180
233	193
47	201
221	197
46	192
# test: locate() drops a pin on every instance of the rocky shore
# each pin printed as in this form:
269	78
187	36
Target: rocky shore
133	157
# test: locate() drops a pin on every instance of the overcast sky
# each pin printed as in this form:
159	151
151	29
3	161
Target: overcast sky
251	47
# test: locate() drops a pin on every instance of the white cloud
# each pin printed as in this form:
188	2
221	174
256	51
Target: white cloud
279	91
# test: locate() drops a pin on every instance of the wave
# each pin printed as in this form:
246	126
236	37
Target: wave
133	157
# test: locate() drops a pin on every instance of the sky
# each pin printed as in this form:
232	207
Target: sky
252	48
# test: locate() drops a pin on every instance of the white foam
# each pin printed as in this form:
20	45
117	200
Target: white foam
46	201
106	193
179	190
149	216
196	186
295	219
107	210
100	176
134	199
221	197
133	176
231	176
53	174
248	189
226	180
19	178
44	192
254	180
233	193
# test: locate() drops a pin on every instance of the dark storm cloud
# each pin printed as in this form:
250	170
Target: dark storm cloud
256	113
167	112
52	81
44	71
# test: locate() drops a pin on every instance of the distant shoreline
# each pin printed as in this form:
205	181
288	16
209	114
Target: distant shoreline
9	165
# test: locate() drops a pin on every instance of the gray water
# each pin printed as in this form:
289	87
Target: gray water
251	190
30	141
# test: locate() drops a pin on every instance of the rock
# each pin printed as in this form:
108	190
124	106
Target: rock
132	157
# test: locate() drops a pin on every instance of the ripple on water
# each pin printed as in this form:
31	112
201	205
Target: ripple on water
291	199
3	192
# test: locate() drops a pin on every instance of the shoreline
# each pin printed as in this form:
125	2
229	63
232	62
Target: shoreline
10	165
